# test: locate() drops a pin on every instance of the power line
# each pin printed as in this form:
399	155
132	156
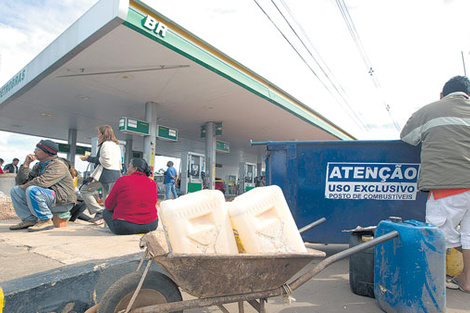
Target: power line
318	60
344	102
357	41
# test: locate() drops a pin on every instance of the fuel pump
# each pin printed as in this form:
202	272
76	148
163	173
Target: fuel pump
247	176
192	171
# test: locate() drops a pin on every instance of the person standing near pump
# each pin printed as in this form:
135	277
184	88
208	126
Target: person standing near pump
170	179
107	171
443	130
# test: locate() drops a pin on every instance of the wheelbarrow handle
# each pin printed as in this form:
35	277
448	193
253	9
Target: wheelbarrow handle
205	302
339	256
312	225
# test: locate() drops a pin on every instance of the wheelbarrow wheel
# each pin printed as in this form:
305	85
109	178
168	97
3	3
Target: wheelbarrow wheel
156	289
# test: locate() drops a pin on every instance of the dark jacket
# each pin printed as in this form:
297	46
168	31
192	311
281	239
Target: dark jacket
10	168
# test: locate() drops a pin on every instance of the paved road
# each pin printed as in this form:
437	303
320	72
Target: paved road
23	253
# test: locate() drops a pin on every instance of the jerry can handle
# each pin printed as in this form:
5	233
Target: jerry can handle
416	223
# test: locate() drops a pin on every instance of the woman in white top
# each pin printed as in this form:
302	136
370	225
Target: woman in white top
107	170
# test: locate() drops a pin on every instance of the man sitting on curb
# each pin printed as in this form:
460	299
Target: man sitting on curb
44	189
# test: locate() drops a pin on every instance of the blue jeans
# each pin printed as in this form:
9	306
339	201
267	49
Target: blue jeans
170	187
33	203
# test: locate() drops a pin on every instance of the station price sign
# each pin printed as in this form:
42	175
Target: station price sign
167	133
80	150
223	147
133	126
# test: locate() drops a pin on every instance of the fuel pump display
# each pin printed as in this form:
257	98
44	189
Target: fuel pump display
247	176
193	169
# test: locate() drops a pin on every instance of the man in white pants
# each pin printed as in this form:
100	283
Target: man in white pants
443	129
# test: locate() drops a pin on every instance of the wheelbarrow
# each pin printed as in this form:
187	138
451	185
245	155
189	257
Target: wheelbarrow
215	280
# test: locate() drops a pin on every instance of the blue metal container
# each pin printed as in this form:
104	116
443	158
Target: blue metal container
350	183
409	271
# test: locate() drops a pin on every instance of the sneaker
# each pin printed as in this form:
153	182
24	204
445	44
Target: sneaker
98	216
23	225
450	283
98	221
42	225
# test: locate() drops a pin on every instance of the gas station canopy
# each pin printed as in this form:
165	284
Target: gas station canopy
120	55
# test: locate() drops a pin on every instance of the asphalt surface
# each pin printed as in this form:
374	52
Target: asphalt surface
23	253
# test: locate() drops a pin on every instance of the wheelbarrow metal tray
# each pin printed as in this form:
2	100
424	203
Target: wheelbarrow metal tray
212	275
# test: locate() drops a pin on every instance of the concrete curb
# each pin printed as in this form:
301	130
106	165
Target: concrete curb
72	288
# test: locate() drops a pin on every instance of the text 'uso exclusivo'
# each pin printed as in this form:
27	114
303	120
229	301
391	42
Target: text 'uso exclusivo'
372	181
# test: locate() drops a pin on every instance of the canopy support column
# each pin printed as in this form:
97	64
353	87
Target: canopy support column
210	155
150	140
72	141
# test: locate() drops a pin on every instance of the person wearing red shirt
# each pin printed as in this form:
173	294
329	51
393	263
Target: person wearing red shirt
131	204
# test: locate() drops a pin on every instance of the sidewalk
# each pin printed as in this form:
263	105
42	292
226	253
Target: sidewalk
23	253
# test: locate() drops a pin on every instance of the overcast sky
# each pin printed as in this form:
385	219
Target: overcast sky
413	47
